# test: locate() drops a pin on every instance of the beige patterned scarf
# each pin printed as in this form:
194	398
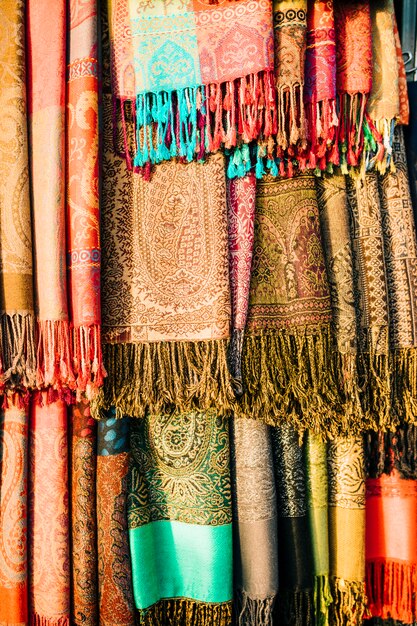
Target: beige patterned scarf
166	295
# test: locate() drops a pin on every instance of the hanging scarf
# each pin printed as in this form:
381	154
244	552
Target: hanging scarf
166	294
320	84
49	586
83	236
410	133
241	195
180	519
255	526
198	77
353	75
114	567
290	28
391	548
404	116
317	503
288	367
335	228
296	566
383	106
17	340
46	96
13	517
83	517
345	462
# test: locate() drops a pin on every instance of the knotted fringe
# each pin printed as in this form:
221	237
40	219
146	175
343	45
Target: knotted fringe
291	127
349	602
18	351
351	129
89	369
41	620
378	140
183	611
165	376
322	600
295	607
191	122
295	376
322	123
253	611
387	451
54	355
391	588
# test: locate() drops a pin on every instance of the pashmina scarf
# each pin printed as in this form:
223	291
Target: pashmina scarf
83	228
320	84
353	75
345	463
198	75
391	547
255	527
84	609
49	583
13	517
383	108
17	338
114	567
241	193
46	96
289	371
290	29
410	133
404	116
166	294
180	519
335	228
296	564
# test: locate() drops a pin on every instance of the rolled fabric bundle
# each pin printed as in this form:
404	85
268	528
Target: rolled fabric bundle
255	524
180	519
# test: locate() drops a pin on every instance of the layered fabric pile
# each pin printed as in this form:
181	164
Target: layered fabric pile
208	334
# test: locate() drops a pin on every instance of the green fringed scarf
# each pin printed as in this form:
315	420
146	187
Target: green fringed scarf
180	519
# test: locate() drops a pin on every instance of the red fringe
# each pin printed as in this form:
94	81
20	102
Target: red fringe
322	123
54	355
88	360
41	620
391	587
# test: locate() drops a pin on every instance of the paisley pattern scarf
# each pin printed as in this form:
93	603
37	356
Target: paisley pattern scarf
180	519
49	583
346	471
198	75
391	547
17	339
114	567
83	236
84	609
46	97
255	523
288	368
13	517
166	294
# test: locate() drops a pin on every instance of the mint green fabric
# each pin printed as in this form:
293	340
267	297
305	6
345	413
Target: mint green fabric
167	555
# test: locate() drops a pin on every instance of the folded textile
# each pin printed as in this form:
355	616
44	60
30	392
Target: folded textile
241	194
84	596
180	519
83	228
346	472
17	339
391	548
49	530
198	75
289	370
166	293
115	599
13	516
255	523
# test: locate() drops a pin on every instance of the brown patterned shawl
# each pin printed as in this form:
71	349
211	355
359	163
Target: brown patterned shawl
288	367
166	295
255	524
346	472
17	341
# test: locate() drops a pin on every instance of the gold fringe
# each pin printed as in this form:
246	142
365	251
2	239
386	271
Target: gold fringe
182	611
349	602
164	377
18	350
298	377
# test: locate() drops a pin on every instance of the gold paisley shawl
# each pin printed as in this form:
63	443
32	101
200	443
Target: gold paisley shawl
166	295
18	351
